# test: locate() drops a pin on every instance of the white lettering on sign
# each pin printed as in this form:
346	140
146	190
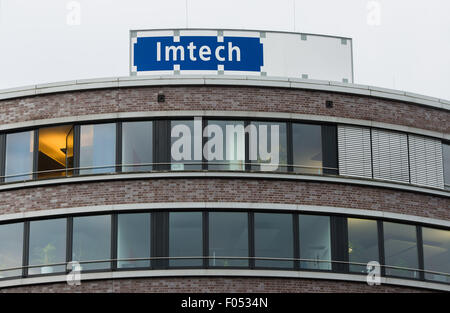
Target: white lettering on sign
176	53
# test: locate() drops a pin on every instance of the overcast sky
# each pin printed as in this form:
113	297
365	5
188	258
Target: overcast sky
400	44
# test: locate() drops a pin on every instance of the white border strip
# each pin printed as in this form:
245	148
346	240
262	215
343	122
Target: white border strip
212	174
225	273
237	80
225	205
221	114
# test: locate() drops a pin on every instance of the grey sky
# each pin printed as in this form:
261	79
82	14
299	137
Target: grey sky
409	49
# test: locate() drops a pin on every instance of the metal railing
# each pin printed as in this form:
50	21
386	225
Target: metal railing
117	260
69	172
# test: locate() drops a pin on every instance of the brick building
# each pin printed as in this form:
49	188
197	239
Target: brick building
87	176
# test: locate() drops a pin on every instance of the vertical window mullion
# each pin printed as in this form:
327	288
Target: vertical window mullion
290	150
34	175
420	252
119	147
339	244
2	156
251	239
296	241
69	241
205	239
381	247
26	245
247	166
76	150
114	241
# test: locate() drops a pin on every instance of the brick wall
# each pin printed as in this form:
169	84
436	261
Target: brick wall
221	189
213	284
222	98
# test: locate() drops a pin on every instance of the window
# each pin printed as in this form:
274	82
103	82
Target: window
97	148
280	158
400	249
226	145
137	140
55	151
436	253
446	161
183	149
11	249
185	238
19	156
133	239
92	241
47	246
315	242
307	148
228	236
362	243
273	239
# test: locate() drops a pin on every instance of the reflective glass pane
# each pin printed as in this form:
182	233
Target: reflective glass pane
98	148
446	161
436	253
185	238
271	152
137	140
55	151
133	239
315	242
362	243
19	156
228	236
47	245
182	146
273	239
11	249
225	145
92	241
400	249
307	148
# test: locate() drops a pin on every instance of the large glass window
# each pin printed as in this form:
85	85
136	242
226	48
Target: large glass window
277	153
307	148
19	156
55	151
225	145
362	243
133	239
436	253
92	241
137	140
315	242
400	249
185	238
11	249
446	161
182	151
47	246
98	148
228	236
273	239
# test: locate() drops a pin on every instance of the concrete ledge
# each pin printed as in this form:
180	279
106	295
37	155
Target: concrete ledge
223	273
225	80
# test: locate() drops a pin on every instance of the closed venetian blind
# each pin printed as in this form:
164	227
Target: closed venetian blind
425	156
390	155
355	158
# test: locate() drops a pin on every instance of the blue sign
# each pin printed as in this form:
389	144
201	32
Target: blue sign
198	53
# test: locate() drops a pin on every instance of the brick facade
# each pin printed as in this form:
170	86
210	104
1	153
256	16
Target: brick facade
223	98
223	190
213	284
